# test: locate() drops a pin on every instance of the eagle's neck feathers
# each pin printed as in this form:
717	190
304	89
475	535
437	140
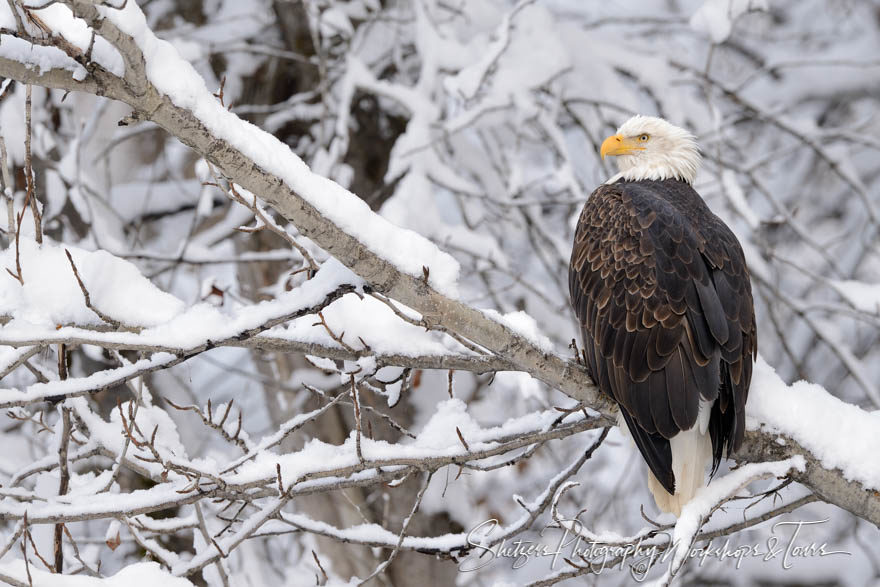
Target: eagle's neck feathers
682	167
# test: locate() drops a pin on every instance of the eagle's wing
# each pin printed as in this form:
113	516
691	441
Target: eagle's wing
662	293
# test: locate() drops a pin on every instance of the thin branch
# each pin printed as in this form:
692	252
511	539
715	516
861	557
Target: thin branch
203	529
88	300
64	484
29	170
418	502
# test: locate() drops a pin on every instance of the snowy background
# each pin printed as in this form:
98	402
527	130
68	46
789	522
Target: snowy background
201	375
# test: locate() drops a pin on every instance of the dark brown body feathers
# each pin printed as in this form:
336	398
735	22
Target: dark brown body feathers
662	292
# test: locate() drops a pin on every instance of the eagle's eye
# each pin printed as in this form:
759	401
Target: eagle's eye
644	138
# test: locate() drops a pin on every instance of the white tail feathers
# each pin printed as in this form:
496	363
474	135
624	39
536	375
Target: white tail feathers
691	454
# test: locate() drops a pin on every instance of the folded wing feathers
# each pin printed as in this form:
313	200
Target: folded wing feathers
662	292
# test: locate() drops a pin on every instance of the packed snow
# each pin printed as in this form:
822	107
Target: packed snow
148	574
842	436
525	326
51	296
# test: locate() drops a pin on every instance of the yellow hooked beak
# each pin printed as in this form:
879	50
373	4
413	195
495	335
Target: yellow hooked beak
619	145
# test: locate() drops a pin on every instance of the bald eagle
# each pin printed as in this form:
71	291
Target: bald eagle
661	290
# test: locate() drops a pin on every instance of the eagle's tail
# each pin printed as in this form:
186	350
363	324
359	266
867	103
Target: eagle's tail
691	454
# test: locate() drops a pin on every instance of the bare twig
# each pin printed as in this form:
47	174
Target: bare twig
355	399
203	528
415	508
29	171
87	297
64	483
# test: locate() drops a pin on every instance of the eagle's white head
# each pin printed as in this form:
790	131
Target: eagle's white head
650	148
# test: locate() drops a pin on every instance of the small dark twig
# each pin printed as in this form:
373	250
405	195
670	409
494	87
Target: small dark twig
30	538
226	413
29	170
323	578
88	299
415	508
208	419
19	219
91	47
333	335
461	438
27	564
76	553
64	483
355	397
646	518
573	345
219	94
